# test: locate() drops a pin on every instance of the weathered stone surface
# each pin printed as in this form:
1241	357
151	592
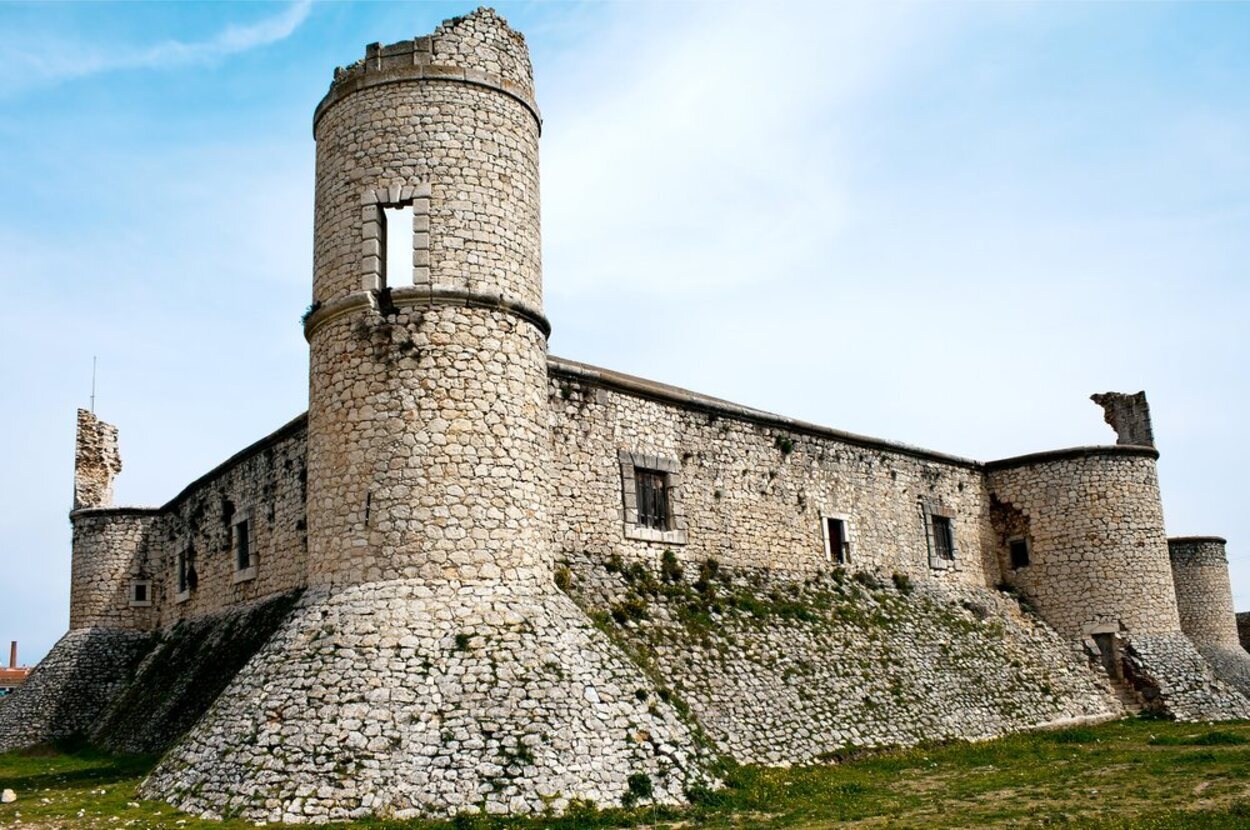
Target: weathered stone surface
451	480
782	669
405	698
96	461
71	686
184	672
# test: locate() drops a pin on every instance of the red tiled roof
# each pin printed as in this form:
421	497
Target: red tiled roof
12	677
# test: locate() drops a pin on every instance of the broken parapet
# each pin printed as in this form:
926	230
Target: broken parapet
96	462
1129	416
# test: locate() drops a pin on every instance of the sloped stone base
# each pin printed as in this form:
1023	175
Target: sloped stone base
184	673
69	689
1177	680
781	670
1230	664
402	699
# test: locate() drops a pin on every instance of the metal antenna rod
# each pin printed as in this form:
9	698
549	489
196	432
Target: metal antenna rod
93	360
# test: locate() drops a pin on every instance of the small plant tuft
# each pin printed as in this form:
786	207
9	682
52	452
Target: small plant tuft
902	582
640	787
670	569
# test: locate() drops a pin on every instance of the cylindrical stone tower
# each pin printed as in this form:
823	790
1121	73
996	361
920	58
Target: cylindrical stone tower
1204	595
432	666
427	425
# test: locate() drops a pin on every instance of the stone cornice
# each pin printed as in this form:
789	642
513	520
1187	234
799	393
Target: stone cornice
424	295
356	82
1118	450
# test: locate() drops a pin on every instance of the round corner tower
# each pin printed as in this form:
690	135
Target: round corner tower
1204	595
427	430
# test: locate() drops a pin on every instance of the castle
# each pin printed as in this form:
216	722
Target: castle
475	576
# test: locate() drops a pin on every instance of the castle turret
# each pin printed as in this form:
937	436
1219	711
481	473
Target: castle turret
1204	597
456	675
427	422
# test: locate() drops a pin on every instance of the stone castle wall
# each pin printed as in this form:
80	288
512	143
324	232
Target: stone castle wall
751	489
110	549
1093	521
114	548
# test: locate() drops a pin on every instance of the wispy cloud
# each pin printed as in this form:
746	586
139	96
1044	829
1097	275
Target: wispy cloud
38	61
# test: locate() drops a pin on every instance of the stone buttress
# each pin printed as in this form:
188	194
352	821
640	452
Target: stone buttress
432	666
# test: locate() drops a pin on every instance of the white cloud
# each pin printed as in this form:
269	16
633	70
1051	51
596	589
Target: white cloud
33	60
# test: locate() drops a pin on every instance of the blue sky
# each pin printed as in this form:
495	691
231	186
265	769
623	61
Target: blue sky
940	223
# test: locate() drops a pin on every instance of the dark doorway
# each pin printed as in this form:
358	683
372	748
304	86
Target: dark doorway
837	540
1109	653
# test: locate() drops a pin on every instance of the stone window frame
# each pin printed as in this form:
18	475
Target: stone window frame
146	584
242	517
1028	553
373	202
676	534
929	508
848	536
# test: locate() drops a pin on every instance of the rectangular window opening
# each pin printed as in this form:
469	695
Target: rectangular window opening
141	592
836	529
397	233
242	547
652	492
943	538
186	571
1019	549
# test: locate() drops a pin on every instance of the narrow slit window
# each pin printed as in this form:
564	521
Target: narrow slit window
186	571
652	492
397	224
943	538
242	547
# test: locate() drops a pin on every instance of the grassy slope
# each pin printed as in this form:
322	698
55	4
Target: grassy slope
1129	774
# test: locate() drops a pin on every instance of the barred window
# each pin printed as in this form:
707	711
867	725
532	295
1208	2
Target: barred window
652	490
943	538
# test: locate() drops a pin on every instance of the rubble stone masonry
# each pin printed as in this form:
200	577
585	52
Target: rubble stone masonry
478	577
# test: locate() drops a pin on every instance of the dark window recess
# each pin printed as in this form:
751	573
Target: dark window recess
141	592
943	538
242	547
1019	553
652	491
837	540
186	571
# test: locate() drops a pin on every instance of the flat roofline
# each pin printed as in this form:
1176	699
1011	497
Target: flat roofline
686	399
664	393
299	422
1070	453
1219	540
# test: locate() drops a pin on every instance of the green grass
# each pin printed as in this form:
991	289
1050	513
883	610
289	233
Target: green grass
1143	775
